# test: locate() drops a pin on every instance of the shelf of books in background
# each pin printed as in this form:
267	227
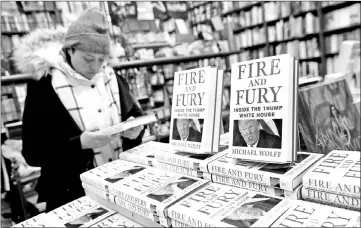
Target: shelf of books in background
340	25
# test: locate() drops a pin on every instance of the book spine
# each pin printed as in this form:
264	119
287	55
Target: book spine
173	159
178	169
218	112
137	209
254	187
209	122
176	223
293	178
128	194
98	192
91	180
243	173
331	199
135	158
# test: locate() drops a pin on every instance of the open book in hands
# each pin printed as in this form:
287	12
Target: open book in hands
126	125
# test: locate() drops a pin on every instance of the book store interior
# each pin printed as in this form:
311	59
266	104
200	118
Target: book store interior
180	114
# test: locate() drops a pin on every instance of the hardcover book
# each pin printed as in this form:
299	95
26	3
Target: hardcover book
308	214
196	116
123	203
40	220
338	172
176	223
178	169
252	186
216	205
152	189
116	220
331	199
110	172
284	176
144	153
83	212
262	117
328	120
126	125
187	160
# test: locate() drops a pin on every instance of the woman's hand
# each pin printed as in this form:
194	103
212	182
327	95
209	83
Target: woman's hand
95	139
133	132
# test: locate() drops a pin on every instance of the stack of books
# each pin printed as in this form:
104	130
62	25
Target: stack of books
217	205
82	212
282	180
335	180
144	190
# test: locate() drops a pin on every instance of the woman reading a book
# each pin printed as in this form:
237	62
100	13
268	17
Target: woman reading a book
73	94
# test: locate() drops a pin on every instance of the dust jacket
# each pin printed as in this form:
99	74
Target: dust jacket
196	116
262	109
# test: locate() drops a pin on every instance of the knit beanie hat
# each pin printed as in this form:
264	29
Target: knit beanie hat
89	32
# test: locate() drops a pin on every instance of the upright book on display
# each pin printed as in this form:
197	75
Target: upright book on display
196	114
262	116
328	119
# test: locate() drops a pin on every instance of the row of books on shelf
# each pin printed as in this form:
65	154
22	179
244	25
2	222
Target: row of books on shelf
343	17
176	189
279	10
247	18
205	12
334	41
28	22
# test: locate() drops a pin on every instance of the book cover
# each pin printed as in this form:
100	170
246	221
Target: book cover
262	117
331	199
328	120
178	169
193	120
252	186
187	160
144	153
338	172
116	220
83	212
148	187
125	204
155	189
284	176
40	220
216	205
110	172
308	214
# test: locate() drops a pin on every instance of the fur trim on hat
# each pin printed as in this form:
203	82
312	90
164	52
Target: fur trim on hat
39	51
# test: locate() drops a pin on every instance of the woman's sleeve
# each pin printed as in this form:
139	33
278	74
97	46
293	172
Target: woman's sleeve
42	143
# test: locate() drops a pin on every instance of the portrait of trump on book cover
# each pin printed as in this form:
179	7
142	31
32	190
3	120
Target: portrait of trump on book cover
188	130
259	133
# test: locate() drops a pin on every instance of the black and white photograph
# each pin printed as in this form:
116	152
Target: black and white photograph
189	130
251	211
245	94
258	133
